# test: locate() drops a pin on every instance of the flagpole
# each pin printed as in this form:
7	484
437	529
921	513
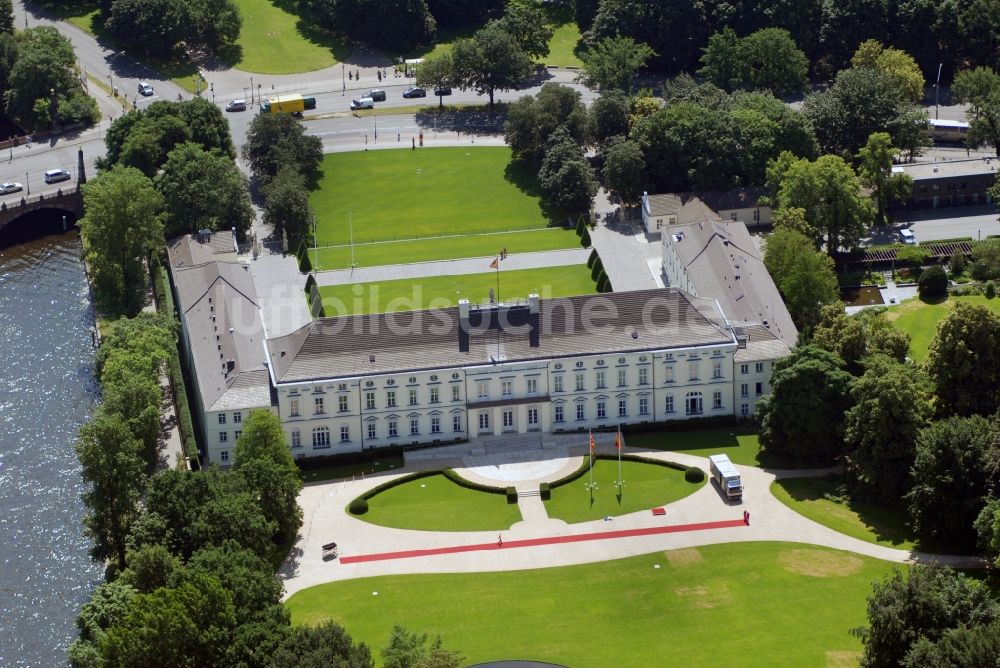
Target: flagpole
619	458
591	486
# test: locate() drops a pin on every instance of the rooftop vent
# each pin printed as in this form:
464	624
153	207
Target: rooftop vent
281	354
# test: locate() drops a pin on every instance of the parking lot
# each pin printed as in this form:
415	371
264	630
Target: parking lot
977	222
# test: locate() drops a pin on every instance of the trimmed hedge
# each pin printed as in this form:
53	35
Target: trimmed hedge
511	495
570	477
585	239
596	269
694	474
592	258
310	284
468	484
399	481
358	506
585	466
545	490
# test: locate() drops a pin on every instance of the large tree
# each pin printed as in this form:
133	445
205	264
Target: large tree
393	27
121	225
892	403
857	336
286	205
623	169
764	60
203	190
249	579
529	27
925	604
953	472
803	416
278	140
326	644
898	65
612	63
151	27
609	116
112	465
489	61
437	73
566	179
964	361
531	120
804	275
980	89
875	171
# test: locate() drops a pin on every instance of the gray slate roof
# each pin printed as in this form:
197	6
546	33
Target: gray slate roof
722	262
193	249
421	340
219	305
670	204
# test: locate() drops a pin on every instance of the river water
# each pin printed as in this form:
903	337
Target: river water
47	390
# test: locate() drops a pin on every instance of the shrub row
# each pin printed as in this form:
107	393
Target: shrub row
398	481
358	506
511	495
545	490
305	264
468	484
694	474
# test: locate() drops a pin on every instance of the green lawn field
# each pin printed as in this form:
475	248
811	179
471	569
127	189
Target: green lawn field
437	504
276	41
646	486
739	443
445	248
402	194
873	524
740	604
443	291
920	319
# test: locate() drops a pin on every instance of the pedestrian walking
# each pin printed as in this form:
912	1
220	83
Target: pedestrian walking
357	74
379	76
500	540
350	75
746	517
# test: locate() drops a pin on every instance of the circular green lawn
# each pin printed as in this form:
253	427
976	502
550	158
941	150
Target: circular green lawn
437	504
646	486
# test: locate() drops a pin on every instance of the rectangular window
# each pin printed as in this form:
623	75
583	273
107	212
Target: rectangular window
744	390
371	431
602	411
532	386
456	423
318	405
508	419
224	455
694	404
579	412
557	385
579	382
293	407
557	414
759	387
390	398
484	421
456	392
223	436
716	369
393	429
532	417
622	377
483	390
622	407
237	417
413	397
414	426
435	425
222	418
345	433
643	406
236	434
370	400
321	437
744	369
342	403
760	367
643	375
507	388
744	410
693	370
296	438
435	395
668	404
716	400
668	374
600	380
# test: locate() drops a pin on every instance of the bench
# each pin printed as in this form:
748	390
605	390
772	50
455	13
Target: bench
330	548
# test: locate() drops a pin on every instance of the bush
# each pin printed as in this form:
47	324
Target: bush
957	263
593	258
399	481
511	495
358	506
991	290
468	484
305	264
585	239
694	474
310	284
933	283
545	491
581	227
596	270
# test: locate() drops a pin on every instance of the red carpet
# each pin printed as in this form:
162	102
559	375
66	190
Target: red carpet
532	542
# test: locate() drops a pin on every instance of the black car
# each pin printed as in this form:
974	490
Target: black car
442	90
415	92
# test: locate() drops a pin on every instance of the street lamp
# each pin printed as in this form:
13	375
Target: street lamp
343	81
27	185
251	89
937	87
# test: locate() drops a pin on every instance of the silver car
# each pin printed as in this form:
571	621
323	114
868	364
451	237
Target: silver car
10	187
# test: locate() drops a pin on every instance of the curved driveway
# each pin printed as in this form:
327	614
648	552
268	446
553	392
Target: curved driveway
325	520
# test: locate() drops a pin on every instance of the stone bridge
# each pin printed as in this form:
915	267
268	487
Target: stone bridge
67	199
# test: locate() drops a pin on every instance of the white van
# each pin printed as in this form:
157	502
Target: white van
363	103
237	105
57	175
906	236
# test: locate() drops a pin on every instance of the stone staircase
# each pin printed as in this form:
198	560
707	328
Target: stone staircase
524	493
506	443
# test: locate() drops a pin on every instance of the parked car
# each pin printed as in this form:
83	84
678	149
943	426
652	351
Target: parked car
237	105
376	94
57	175
415	92
907	237
363	103
10	187
145	88
442	90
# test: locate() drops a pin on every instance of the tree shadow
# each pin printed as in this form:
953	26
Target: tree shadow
471	121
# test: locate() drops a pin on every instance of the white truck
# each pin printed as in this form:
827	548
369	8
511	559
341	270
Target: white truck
726	477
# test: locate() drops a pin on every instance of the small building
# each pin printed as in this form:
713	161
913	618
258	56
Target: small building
946	183
742	204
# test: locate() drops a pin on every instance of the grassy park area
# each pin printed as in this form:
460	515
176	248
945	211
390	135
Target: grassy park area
437	504
276	41
920	319
646	486
667	609
739	443
413	294
816	499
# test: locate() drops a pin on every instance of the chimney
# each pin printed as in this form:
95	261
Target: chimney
463	325
533	318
